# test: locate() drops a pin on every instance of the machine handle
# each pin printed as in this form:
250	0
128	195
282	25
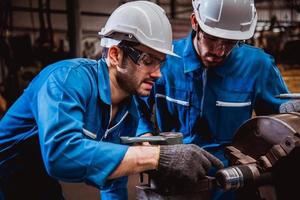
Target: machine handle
164	138
289	96
150	139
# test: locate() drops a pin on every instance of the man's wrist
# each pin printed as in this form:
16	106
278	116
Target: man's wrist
148	157
157	158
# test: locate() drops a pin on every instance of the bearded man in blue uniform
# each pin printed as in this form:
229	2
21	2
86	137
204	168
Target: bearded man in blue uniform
68	122
217	83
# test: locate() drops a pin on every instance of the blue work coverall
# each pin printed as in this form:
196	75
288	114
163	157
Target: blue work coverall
209	105
61	129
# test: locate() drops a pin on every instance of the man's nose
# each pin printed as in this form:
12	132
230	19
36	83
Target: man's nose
156	73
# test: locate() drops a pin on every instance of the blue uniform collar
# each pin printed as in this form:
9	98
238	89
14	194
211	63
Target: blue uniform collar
104	89
104	84
190	57
192	62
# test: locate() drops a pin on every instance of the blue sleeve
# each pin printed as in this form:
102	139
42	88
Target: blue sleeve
67	154
115	189
145	108
270	84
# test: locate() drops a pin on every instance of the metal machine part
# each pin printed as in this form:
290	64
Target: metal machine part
237	176
164	138
289	96
257	136
258	144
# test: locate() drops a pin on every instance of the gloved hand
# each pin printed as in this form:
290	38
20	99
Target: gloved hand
187	161
290	106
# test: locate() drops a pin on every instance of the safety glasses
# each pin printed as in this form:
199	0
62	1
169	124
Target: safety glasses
141	58
214	42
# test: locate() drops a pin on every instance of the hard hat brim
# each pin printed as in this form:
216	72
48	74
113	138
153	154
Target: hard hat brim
106	40
227	34
167	52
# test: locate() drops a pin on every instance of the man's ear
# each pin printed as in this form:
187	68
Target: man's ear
115	55
194	22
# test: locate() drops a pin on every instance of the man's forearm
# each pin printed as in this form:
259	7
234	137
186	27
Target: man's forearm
137	159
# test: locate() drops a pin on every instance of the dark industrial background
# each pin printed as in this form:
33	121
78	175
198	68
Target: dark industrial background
35	33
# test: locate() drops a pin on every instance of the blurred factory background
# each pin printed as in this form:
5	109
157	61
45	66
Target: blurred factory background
35	33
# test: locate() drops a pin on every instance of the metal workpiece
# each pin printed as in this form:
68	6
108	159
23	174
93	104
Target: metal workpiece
164	138
289	96
239	176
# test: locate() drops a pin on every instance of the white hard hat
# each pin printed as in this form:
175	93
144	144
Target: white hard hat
140	21
228	19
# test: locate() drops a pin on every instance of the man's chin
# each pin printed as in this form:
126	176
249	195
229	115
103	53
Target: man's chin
212	64
143	93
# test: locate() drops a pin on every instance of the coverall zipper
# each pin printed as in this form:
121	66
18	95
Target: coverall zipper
204	80
109	129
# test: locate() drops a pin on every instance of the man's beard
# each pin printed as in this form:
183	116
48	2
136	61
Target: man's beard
127	81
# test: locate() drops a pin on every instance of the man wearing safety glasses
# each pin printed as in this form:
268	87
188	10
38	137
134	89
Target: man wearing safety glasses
217	83
68	122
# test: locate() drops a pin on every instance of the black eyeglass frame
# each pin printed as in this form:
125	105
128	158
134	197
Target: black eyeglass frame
136	54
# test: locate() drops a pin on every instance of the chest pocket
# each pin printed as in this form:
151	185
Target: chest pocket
233	109
173	106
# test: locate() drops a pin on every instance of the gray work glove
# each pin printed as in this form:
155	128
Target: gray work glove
187	161
290	106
